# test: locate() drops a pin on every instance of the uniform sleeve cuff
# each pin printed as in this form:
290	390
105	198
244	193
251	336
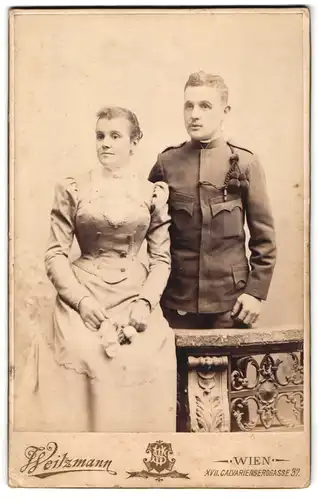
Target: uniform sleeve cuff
255	292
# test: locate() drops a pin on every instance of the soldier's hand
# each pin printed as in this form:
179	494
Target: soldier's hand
139	315
247	309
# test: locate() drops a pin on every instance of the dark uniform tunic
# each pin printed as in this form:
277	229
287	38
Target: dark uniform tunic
210	268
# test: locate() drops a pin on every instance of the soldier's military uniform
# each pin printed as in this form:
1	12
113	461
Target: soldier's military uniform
214	188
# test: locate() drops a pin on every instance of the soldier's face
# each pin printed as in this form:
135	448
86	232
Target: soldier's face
204	112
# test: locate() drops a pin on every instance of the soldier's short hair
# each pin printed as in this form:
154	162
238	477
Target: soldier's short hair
201	78
118	112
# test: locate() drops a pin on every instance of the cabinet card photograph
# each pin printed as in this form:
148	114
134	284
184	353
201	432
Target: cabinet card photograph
159	247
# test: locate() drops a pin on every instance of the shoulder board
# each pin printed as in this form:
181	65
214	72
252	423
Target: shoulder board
174	147
239	147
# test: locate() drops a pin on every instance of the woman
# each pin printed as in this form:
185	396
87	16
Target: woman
113	378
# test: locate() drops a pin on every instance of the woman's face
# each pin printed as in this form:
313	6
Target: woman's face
113	143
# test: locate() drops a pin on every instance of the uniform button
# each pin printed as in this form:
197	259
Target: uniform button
100	251
123	269
123	254
98	233
181	313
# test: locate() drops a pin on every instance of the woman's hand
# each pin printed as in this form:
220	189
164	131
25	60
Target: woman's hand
139	315
92	313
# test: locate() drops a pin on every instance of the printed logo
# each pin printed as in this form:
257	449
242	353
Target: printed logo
160	460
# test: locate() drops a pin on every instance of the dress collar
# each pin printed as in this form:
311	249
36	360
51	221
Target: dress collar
127	173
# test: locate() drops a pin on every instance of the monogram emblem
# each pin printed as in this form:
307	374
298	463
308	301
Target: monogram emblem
159	464
159	459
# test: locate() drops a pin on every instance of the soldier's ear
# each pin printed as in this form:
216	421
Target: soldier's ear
227	109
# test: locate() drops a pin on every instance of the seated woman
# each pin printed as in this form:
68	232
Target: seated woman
115	363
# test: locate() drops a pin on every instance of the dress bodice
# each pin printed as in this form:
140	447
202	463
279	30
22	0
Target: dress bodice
114	219
110	220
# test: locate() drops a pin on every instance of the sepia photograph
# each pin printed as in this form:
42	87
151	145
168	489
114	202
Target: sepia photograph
159	247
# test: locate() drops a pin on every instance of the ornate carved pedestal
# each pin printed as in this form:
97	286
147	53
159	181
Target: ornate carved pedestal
272	394
207	392
240	380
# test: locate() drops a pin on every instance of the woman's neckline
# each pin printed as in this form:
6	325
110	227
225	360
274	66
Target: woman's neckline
120	174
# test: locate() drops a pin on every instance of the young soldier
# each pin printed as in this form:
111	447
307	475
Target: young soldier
214	187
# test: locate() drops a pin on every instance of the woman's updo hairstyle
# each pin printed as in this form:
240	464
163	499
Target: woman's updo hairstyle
117	112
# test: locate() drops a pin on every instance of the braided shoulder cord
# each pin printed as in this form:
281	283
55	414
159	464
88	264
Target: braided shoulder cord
234	179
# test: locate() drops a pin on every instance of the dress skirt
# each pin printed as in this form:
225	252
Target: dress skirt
71	385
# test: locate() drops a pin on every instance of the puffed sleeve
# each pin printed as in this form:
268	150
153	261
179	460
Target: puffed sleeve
156	173
158	246
62	230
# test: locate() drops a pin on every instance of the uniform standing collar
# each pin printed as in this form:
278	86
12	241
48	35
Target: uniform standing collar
215	143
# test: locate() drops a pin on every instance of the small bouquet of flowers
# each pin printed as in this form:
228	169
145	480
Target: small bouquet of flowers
113	336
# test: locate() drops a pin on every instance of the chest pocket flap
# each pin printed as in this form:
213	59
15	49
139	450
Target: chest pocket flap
226	205
182	201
